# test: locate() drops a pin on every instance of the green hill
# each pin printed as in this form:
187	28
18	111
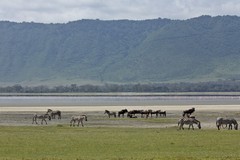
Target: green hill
122	51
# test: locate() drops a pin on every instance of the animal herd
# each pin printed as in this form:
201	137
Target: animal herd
134	113
50	114
186	119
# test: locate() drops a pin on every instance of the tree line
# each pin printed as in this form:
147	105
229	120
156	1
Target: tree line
219	86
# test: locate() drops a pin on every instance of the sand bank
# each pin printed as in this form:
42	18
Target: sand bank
117	108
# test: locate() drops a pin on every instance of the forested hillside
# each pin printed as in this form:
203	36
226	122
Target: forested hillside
120	51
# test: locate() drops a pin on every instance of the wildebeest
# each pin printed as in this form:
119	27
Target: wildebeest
110	113
163	113
146	113
188	121
122	112
151	112
79	119
158	112
134	112
225	121
132	116
54	113
188	112
43	117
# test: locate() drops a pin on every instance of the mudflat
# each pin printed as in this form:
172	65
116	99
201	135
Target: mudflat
118	108
207	114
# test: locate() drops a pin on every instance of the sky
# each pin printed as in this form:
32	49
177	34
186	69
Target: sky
63	11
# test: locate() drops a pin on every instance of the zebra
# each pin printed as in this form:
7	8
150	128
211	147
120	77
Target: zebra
54	113
110	113
79	119
43	117
222	121
188	121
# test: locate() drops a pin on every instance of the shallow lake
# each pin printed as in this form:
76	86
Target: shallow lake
6	101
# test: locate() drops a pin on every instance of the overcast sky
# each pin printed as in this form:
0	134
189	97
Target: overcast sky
63	11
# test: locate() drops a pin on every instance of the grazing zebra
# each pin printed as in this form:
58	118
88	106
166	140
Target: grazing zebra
43	117
188	121
222	121
54	113
110	113
79	119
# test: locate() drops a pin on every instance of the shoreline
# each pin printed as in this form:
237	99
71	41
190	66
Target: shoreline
118	108
124	94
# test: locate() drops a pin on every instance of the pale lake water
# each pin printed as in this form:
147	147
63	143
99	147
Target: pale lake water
31	101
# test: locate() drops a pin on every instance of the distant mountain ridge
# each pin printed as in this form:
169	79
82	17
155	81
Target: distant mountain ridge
120	51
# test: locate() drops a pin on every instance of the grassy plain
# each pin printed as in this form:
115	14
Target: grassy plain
119	138
117	143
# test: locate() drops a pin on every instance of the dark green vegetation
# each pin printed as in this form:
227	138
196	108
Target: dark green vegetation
63	142
232	87
94	51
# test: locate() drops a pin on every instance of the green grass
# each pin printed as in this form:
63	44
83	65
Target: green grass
63	142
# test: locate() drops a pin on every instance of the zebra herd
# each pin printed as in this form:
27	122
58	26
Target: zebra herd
189	119
50	114
223	122
186	119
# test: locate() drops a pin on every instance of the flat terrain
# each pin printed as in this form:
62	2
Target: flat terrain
111	143
105	138
207	114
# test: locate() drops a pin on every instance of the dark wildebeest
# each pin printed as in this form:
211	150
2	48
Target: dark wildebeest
122	112
154	112
146	112
132	113
188	112
163	113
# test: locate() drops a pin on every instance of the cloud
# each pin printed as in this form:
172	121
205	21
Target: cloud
62	11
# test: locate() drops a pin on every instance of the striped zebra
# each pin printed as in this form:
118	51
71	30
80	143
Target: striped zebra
110	113
223	121
79	119
54	113
43	117
188	121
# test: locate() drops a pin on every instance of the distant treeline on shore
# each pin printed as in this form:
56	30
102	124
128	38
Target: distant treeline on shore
219	86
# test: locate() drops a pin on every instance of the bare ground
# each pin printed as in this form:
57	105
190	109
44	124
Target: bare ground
207	114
